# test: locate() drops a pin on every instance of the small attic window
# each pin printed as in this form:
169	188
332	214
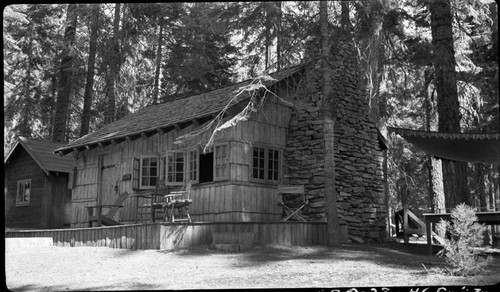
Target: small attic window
23	192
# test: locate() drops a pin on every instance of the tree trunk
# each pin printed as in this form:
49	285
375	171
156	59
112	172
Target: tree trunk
494	16
268	36
455	173
24	128
496	187
89	85
373	50
332	218
278	37
403	191
480	193
386	197
344	16
434	165
156	88
112	77
65	76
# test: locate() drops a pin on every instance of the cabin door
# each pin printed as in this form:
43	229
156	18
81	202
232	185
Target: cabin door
110	178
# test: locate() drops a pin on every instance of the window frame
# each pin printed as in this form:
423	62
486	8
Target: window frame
266	178
225	176
24	202
189	169
184	170
278	166
141	164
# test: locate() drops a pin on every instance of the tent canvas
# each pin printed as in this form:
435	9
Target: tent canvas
481	148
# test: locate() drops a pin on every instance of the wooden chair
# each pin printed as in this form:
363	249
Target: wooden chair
293	200
95	213
179	202
157	200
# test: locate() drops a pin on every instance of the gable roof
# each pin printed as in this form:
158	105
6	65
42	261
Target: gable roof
42	152
165	115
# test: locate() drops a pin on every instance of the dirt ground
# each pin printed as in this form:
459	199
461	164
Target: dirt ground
52	268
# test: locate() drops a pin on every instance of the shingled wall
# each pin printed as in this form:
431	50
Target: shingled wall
359	176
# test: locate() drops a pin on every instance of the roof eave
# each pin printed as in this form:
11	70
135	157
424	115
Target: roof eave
11	151
68	149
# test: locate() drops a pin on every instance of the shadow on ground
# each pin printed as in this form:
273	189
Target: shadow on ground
384	254
394	254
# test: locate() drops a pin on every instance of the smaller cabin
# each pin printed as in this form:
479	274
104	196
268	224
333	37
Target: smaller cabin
37	185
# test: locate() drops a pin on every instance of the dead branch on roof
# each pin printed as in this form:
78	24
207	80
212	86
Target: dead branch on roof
258	92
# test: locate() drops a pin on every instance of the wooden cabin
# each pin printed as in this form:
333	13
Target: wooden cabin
36	185
236	179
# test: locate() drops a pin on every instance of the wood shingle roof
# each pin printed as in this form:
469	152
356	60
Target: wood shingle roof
179	111
42	153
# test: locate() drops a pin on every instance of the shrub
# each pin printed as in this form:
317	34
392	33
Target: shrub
465	233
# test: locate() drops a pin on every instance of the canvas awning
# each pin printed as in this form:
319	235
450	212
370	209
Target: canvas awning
482	148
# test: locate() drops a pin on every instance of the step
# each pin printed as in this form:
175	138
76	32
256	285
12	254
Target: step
246	238
231	247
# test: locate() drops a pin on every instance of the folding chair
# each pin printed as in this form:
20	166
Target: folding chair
293	200
179	202
95	212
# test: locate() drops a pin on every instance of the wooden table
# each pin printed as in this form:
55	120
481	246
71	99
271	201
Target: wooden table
488	218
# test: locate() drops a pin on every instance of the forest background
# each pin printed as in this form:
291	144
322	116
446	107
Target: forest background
69	69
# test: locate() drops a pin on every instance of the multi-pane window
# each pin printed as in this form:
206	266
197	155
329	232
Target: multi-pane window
193	158
175	167
150	171
23	192
265	164
180	166
259	156
221	165
273	163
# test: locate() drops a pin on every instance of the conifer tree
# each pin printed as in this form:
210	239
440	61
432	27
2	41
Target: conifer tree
455	173
59	133
200	56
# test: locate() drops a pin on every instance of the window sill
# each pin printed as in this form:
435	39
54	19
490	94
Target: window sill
264	181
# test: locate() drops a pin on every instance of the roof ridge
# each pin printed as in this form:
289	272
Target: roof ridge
232	84
166	114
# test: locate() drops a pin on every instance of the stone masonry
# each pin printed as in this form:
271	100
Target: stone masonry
359	176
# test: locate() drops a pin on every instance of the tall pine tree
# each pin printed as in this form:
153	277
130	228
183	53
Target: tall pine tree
455	173
64	90
201	56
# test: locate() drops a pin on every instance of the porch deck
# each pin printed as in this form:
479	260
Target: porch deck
169	236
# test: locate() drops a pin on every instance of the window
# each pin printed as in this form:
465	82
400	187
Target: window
136	172
273	163
221	159
206	167
175	168
149	172
23	192
179	166
266	164
193	170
